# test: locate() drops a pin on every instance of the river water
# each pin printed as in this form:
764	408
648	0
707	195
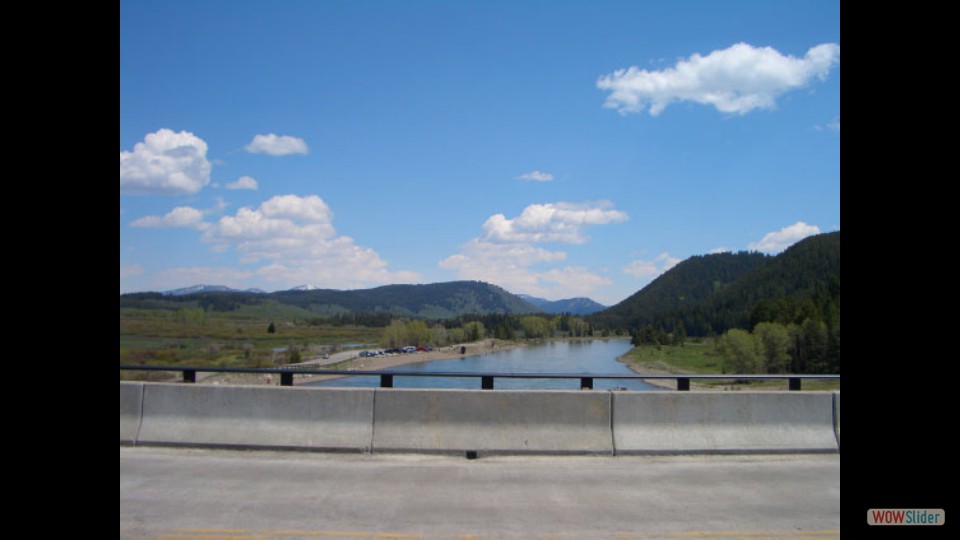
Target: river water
596	357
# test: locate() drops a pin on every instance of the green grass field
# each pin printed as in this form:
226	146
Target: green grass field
195	338
703	358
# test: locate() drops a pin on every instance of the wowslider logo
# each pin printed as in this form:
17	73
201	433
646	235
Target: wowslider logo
904	516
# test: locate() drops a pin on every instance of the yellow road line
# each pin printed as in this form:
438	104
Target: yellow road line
243	534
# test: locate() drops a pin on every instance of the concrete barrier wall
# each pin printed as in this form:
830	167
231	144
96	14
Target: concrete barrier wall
457	421
501	421
723	422
257	417
131	399
836	415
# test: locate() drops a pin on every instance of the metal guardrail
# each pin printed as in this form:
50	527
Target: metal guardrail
486	379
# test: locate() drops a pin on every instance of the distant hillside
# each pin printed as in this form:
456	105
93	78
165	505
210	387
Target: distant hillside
208	289
686	284
802	282
434	301
573	306
747	288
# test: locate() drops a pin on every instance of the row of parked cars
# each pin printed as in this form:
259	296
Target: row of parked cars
403	350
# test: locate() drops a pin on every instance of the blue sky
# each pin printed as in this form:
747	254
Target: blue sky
558	149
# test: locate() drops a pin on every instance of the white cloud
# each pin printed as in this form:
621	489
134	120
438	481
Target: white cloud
778	241
130	270
294	237
506	254
478	255
649	269
559	222
276	145
244	182
536	176
165	163
519	268
181	216
720	249
834	125
737	80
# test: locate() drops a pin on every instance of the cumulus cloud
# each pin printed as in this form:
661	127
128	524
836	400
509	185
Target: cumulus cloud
778	241
737	80
536	176
506	253
294	237
244	182
165	163
559	222
721	249
181	216
649	269
276	145
520	268
130	270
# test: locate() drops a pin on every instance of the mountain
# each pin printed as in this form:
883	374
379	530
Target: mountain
710	294
306	287
800	283
433	301
574	306
209	288
686	284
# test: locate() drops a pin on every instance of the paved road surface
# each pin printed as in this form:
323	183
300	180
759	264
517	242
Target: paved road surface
210	494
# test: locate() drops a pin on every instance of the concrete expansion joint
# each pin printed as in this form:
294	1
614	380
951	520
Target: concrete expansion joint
143	398
613	435
373	421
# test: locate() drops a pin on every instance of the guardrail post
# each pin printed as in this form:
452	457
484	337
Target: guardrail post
486	383
286	378
189	376
683	384
795	383
386	381
586	383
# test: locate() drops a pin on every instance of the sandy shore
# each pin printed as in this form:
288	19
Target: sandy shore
352	361
670	384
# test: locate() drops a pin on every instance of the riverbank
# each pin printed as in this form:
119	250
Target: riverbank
698	358
352	361
669	384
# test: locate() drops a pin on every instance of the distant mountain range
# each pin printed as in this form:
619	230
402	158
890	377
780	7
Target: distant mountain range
437	300
210	288
706	294
574	306
432	301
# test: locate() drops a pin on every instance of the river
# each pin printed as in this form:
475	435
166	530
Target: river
596	357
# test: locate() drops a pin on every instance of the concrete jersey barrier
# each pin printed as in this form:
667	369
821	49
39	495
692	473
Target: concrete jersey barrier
257	417
501	421
491	422
836	415
723	422
131	401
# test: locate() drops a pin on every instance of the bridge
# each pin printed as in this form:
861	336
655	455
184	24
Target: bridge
389	463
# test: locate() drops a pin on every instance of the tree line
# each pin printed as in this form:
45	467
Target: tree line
811	347
469	328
